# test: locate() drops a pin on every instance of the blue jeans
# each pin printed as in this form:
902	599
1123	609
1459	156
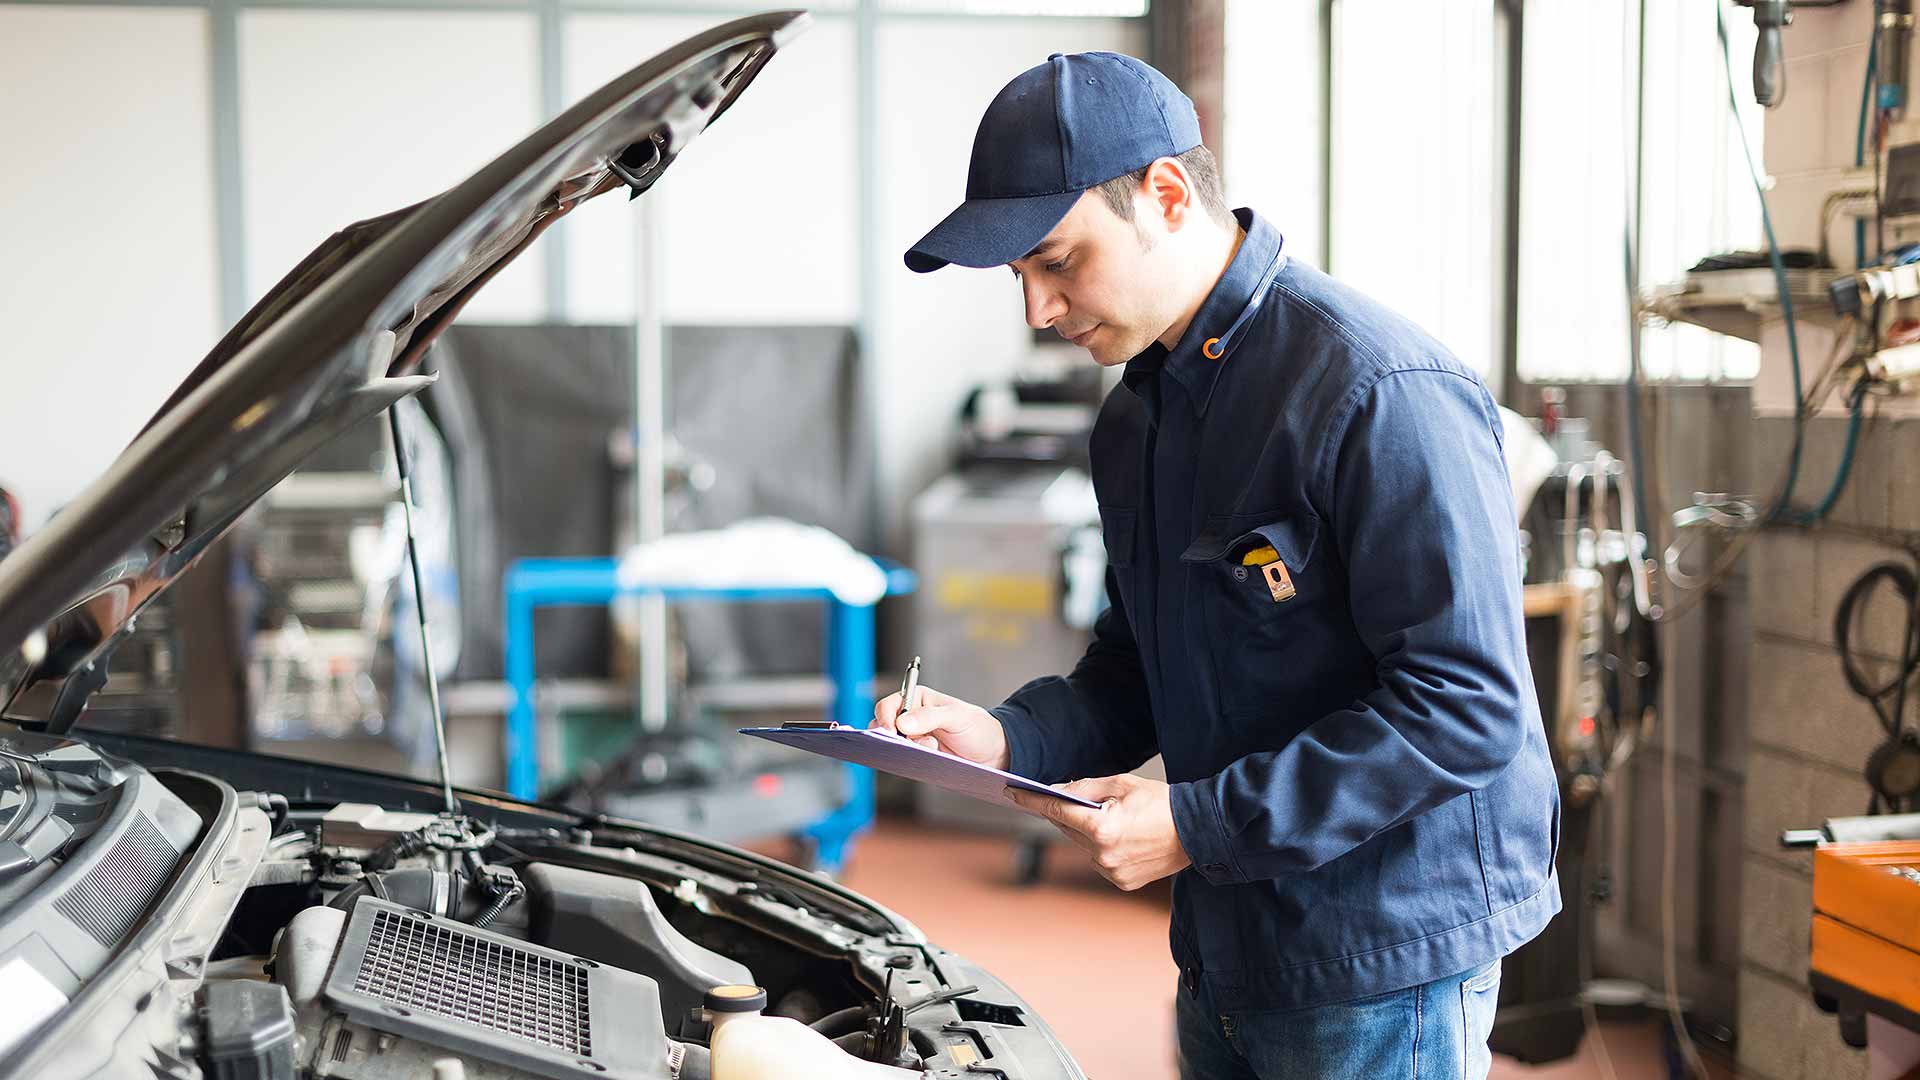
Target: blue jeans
1428	1032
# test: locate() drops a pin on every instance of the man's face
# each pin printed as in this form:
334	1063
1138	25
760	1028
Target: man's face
1093	281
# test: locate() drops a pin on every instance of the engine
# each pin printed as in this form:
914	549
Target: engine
428	953
163	923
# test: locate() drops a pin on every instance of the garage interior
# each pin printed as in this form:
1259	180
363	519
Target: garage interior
1700	310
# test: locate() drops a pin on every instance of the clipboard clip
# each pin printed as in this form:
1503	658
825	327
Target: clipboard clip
809	725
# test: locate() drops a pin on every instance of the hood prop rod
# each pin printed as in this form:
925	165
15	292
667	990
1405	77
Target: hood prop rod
420	611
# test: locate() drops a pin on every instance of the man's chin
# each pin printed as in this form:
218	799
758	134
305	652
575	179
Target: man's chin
1107	352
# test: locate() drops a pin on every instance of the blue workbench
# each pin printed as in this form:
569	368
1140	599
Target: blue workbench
535	583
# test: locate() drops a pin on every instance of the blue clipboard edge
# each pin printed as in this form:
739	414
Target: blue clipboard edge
797	738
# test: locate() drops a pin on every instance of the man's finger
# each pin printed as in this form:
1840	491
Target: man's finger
1031	802
1058	811
1076	838
927	720
929	696
1098	788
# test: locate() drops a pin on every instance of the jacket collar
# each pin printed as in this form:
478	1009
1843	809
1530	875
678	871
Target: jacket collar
1219	326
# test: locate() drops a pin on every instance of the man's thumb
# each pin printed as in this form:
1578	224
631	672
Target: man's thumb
925	720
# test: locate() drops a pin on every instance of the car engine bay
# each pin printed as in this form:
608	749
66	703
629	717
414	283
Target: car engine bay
296	935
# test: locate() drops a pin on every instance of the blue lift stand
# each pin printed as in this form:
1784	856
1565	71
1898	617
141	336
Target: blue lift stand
851	641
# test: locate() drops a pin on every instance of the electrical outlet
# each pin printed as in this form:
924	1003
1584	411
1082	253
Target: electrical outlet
1896	366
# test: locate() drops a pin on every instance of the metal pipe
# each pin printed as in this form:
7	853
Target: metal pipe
1896	36
649	438
420	610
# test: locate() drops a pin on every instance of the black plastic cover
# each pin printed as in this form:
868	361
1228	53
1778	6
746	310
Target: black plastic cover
615	921
249	1031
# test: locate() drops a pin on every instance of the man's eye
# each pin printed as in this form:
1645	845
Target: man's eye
1057	267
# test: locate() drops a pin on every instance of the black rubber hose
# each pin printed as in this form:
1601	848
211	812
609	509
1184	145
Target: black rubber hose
855	1043
837	1023
410	888
1907	588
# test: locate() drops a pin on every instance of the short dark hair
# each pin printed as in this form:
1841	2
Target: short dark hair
1200	165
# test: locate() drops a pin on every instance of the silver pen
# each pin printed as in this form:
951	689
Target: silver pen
908	686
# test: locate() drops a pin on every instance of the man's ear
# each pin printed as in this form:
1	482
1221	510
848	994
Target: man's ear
1169	191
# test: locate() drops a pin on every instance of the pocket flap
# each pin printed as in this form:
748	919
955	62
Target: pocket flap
1292	537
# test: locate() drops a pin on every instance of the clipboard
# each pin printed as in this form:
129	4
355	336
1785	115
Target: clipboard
899	756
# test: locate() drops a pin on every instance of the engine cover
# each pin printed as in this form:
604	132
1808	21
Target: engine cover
494	998
615	919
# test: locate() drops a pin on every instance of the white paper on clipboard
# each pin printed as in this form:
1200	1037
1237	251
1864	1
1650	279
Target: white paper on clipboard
890	753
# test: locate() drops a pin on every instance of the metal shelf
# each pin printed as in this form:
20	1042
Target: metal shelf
1739	302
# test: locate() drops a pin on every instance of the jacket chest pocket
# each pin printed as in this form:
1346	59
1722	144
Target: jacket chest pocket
1254	581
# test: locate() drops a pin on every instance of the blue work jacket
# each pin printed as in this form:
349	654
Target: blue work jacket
1358	767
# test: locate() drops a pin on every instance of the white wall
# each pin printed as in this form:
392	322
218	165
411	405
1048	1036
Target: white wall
1415	198
345	115
938	334
1271	143
759	220
1577	176
108	275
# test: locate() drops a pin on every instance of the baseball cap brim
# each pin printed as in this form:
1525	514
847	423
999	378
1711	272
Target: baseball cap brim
990	232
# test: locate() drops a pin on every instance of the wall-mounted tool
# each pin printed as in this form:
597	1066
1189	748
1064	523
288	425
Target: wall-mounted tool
1769	66
1769	59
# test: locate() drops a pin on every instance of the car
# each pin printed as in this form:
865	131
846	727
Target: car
176	910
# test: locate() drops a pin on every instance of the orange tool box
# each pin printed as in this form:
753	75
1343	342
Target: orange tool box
1866	928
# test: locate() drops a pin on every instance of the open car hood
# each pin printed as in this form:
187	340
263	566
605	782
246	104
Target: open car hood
337	340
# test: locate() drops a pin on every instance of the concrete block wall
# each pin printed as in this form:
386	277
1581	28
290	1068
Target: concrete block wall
1697	437
1767	736
1807	734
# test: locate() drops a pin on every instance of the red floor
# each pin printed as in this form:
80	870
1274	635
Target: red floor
1090	959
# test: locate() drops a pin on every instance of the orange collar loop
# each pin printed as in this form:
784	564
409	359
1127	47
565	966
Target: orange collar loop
1212	349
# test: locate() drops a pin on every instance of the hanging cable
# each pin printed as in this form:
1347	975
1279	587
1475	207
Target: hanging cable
1890	768
1773	257
1902	579
1855	408
1735	515
1635	441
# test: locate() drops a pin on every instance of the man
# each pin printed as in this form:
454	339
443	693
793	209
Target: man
1315	606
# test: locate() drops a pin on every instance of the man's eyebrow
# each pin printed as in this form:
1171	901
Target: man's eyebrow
1046	248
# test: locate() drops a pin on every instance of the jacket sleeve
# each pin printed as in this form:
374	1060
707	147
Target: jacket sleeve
1093	722
1423	513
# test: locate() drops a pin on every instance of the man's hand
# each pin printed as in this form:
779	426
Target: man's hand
939	722
1132	838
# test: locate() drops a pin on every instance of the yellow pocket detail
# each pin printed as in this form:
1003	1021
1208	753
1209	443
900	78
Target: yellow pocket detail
1260	556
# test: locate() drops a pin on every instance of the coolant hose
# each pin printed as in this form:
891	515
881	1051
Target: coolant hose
432	891
851	1018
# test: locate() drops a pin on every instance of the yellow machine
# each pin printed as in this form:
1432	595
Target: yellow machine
1866	928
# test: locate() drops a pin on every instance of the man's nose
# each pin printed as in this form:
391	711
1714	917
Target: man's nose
1043	305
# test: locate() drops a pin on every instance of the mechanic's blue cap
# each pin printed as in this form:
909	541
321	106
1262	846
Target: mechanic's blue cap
1053	132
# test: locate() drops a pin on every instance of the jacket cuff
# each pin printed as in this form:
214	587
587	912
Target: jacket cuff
1025	750
1196	818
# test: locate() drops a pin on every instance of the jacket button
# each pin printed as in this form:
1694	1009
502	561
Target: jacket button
1239	573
